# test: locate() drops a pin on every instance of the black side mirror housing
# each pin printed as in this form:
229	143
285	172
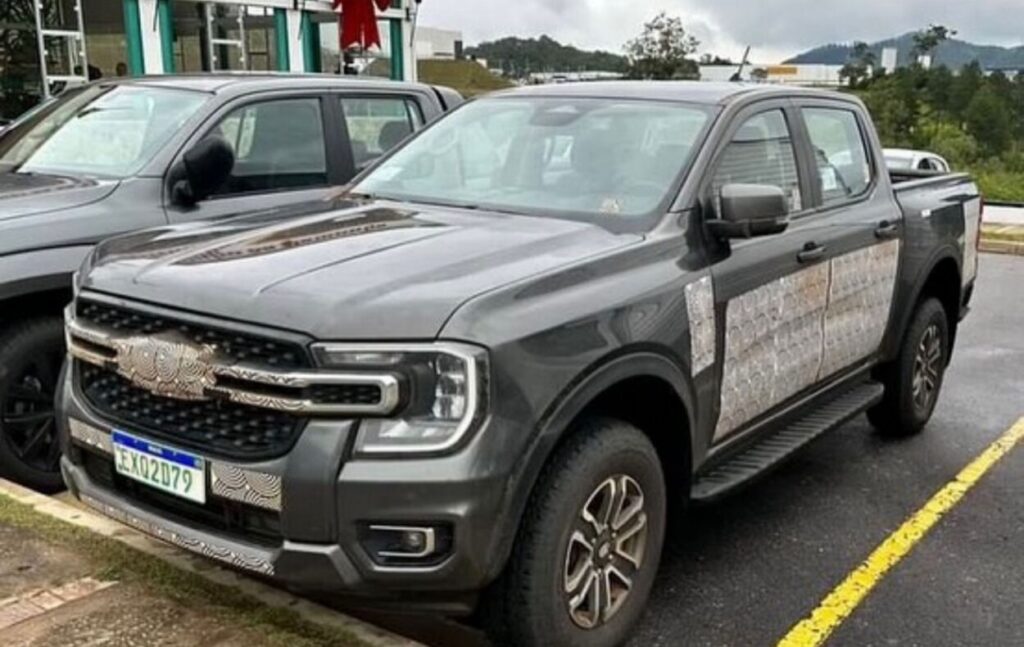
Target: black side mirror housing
750	210
202	170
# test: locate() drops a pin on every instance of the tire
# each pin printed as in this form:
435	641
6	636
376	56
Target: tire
31	355
529	606
914	380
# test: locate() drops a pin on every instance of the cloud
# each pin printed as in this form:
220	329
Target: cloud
774	28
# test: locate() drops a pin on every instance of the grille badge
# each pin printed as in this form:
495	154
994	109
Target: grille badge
167	365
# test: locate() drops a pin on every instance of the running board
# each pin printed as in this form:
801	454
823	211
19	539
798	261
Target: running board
771	450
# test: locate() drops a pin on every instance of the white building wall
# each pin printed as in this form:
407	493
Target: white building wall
152	51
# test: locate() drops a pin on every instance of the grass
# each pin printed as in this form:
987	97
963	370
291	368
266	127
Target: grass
1000	186
116	561
1002	233
467	77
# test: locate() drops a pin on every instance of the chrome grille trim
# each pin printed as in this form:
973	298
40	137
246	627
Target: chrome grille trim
120	360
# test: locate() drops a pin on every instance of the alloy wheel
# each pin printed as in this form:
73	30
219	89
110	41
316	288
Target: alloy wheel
605	551
27	415
927	368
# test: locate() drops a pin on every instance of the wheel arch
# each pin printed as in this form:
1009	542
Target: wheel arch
626	386
942	280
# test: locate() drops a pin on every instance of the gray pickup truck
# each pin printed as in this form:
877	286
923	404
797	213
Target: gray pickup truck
108	158
483	374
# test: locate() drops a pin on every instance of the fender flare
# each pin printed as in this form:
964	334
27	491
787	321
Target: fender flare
41	270
557	421
902	320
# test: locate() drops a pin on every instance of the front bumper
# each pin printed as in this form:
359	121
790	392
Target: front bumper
323	501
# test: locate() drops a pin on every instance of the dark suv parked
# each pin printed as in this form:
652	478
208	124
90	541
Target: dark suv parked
113	157
490	365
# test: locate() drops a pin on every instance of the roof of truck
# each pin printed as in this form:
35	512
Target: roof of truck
704	92
247	81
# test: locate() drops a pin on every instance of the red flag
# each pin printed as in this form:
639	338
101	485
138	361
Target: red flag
359	22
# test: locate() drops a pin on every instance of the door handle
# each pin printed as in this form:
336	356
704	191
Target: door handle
812	252
887	229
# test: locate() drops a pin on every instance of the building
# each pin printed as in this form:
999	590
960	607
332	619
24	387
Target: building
48	44
800	75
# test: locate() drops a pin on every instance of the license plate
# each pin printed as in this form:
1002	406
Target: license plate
169	470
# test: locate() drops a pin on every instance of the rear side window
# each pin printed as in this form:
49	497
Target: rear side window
840	154
378	124
761	152
278	145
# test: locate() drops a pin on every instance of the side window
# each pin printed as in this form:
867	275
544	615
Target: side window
378	124
278	145
761	152
839	153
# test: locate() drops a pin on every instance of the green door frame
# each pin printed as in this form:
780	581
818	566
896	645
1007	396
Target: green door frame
397	49
284	62
133	38
165	15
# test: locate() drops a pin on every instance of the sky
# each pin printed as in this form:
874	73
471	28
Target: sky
775	29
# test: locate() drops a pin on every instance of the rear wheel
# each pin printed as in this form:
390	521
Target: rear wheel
589	547
913	381
31	353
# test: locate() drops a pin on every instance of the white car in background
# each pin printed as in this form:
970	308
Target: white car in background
902	159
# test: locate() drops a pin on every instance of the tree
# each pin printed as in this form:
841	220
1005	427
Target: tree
661	51
859	65
928	40
988	121
715	59
964	88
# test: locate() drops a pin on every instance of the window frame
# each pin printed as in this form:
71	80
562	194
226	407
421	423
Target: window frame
348	155
798	136
869	150
214	119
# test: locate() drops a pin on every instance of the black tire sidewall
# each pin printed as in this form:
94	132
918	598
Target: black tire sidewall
600	450
22	340
910	420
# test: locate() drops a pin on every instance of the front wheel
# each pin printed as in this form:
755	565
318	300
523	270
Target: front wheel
589	547
31	354
913	381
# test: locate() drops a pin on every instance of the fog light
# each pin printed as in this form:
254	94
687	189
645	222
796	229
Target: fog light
406	545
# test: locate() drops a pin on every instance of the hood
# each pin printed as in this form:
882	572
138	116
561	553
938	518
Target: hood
30	194
343	270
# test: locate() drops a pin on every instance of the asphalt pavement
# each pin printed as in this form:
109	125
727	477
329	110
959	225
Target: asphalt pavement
744	571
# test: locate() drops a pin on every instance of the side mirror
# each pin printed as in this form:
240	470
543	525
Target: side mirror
749	210
201	171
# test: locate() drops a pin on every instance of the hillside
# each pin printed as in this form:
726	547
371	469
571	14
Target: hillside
952	53
518	57
468	77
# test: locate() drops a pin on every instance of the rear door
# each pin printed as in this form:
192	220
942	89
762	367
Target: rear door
859	224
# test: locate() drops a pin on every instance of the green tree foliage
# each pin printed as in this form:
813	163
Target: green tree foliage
928	40
661	51
519	57
860	64
974	120
988	120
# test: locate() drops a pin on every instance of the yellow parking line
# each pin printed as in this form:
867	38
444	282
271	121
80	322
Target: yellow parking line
841	602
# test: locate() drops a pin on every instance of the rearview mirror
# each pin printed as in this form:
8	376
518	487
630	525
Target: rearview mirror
749	210
201	171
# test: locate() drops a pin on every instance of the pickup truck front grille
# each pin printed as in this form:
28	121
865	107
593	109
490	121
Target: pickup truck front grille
212	427
239	347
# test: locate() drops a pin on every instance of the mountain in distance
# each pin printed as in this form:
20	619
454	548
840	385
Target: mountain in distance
519	57
953	53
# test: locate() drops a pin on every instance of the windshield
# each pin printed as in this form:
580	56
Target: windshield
103	131
614	162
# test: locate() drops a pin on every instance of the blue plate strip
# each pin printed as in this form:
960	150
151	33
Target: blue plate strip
146	447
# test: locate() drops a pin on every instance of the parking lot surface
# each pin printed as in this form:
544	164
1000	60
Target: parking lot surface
745	571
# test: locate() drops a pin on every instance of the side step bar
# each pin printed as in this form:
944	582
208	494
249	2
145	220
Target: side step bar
768	452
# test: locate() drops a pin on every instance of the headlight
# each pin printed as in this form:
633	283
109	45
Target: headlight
444	393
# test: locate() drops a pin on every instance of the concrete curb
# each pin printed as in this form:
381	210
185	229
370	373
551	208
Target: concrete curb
1000	238
267	595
